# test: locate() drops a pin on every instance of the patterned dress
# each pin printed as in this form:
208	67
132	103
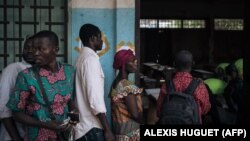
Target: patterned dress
125	128
27	98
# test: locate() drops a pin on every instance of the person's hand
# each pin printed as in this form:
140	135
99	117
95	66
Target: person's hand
74	117
57	125
109	136
73	122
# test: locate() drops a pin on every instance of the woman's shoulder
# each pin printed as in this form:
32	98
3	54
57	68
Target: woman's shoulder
125	82
123	88
127	86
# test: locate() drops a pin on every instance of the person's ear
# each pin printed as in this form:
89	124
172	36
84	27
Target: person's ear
92	38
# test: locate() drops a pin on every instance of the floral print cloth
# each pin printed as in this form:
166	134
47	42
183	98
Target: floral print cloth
27	98
125	128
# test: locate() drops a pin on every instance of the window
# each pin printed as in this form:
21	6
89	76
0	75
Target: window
169	23
148	23
193	23
19	18
219	24
172	23
228	24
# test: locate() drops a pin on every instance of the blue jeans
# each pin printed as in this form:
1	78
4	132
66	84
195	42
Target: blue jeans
94	134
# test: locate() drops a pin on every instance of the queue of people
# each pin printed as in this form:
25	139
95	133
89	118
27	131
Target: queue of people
40	94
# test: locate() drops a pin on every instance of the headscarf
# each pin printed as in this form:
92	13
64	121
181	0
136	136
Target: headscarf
121	58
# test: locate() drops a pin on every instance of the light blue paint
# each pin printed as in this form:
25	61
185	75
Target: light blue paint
104	19
117	25
125	28
125	25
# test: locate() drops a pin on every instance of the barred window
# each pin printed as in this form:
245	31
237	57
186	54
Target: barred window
193	23
169	23
148	23
228	24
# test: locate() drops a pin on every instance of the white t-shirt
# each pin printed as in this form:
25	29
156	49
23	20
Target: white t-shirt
7	85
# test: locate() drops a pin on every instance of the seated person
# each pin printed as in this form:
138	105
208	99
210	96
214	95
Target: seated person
234	91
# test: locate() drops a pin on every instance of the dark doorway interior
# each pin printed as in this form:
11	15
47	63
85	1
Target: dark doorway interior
208	45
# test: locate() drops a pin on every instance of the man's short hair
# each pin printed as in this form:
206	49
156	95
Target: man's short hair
53	38
87	31
183	60
28	38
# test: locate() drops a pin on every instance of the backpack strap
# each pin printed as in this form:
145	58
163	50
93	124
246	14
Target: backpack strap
172	87
169	88
46	100
192	86
43	93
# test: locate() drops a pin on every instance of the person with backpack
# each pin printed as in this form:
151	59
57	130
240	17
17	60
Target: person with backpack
183	99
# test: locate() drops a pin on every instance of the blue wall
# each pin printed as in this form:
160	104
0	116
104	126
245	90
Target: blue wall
116	24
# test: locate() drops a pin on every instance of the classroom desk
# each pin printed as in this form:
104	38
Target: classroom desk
203	74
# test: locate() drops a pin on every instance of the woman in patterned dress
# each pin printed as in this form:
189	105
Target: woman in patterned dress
126	101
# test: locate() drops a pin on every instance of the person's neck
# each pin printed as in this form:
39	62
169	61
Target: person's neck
53	67
91	47
118	78
186	70
121	76
31	63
